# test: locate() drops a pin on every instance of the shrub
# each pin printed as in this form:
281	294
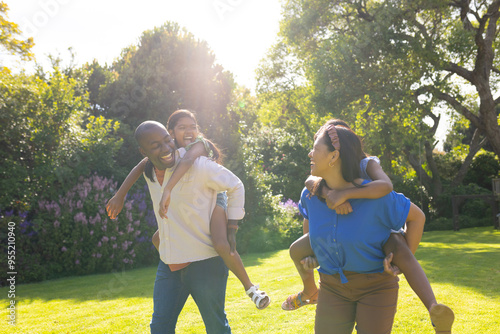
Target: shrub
73	235
17	253
278	230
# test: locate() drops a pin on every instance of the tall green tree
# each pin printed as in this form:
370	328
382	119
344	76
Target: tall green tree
170	69
397	63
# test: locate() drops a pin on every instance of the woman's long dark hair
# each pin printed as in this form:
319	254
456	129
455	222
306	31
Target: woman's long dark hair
171	123
351	152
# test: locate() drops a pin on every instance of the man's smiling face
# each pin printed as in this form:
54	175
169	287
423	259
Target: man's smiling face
156	144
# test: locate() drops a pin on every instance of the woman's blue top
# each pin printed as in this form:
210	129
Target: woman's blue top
353	242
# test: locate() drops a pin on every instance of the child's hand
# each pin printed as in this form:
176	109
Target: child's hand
336	201
115	206
334	198
164	203
390	268
344	208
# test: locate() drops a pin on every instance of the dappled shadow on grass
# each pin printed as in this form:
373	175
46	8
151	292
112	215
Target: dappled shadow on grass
137	283
468	258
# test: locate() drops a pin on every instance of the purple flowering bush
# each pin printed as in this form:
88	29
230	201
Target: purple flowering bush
17	255
73	234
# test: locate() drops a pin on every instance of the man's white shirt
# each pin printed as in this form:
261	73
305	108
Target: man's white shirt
185	235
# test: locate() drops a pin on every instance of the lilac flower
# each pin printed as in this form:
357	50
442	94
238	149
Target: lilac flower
77	262
128	205
140	239
130	229
113	238
91	232
63	249
137	233
57	224
57	211
126	260
80	218
104	239
114	246
99	244
41	204
129	216
142	206
151	218
98	255
79	205
290	206
137	223
112	256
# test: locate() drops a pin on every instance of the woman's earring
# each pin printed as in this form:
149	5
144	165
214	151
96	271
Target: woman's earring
331	165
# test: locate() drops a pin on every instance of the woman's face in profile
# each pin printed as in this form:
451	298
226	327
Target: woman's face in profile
320	157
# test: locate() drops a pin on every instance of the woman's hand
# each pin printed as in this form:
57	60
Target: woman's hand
389	267
309	263
115	206
164	203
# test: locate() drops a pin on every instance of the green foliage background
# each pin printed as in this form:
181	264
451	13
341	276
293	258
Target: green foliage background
368	63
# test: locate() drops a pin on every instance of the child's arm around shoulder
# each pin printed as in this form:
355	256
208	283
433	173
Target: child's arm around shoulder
342	207
115	204
380	186
197	150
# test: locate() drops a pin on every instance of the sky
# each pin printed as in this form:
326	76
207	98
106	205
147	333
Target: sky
239	32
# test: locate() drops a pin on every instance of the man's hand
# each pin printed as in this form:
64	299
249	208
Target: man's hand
389	267
115	206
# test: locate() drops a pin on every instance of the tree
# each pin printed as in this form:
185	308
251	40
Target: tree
397	63
168	70
47	138
9	31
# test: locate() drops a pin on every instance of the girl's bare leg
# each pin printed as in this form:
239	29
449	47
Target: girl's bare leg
442	316
299	250
218	229
409	266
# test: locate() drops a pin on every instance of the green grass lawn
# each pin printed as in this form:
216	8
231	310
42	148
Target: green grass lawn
463	268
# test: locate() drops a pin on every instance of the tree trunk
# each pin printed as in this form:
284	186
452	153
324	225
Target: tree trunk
476	144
